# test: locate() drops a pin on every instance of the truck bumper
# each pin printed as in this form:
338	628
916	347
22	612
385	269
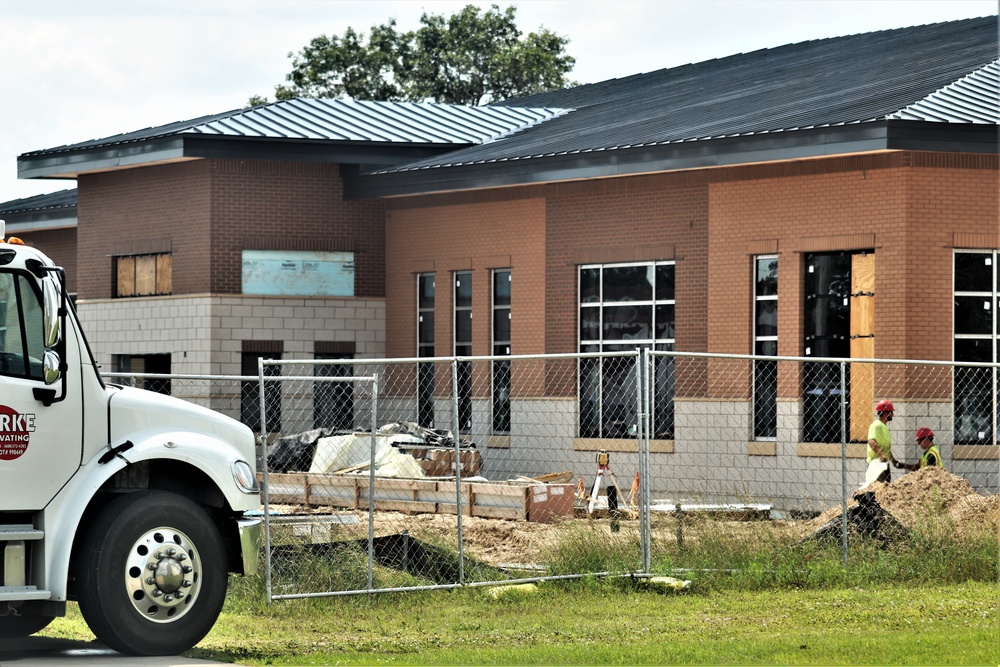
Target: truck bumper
251	538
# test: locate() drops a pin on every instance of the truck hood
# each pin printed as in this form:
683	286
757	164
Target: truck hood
137	410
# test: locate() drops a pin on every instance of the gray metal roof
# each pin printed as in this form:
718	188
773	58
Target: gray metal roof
343	121
932	87
945	72
63	199
971	99
55	210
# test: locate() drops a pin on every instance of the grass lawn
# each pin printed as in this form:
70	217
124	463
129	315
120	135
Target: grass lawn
612	622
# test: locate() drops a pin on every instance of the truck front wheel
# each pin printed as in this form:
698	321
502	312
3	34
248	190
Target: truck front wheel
151	574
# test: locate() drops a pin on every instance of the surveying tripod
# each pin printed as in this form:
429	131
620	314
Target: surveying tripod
604	470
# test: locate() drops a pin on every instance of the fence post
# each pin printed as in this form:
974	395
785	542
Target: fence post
843	458
371	485
458	469
265	497
645	424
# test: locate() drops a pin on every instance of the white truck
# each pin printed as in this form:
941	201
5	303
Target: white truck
130	502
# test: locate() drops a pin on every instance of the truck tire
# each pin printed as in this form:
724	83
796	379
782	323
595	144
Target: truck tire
151	574
22	626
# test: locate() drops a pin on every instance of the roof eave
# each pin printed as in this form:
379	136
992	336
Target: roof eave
721	152
163	150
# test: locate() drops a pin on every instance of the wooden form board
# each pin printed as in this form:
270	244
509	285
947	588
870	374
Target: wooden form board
494	500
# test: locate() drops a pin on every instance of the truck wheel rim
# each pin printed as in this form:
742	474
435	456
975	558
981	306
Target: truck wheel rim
163	574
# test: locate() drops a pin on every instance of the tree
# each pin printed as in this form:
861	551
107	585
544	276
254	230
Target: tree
466	58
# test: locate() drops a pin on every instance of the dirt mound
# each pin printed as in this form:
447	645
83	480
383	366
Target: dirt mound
928	494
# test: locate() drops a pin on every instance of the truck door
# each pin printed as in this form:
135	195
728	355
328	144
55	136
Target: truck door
40	446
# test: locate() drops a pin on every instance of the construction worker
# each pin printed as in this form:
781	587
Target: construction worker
879	439
932	455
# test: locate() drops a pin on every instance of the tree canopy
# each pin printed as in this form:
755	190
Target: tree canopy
470	57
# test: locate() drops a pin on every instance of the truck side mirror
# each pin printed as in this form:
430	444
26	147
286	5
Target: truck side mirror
50	311
50	366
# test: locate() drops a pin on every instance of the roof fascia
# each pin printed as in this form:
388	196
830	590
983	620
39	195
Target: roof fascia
722	152
62	218
943	137
70	163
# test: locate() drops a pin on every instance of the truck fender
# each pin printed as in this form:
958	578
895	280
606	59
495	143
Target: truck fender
63	515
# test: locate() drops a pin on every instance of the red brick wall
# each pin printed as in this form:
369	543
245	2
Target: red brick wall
548	231
658	217
60	246
143	210
441	235
205	212
291	206
909	207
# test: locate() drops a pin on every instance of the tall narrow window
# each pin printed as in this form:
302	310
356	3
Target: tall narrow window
250	393
827	332
765	333
333	402
463	346
425	349
625	307
977	297
501	348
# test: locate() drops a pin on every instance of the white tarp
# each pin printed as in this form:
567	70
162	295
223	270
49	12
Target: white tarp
353	451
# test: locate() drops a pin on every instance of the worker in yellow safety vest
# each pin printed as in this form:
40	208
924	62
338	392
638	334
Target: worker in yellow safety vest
932	455
879	440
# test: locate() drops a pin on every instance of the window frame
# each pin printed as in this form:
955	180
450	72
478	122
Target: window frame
500	368
425	348
764	370
462	344
596	376
992	297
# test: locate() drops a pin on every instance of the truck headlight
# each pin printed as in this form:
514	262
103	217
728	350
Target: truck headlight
245	477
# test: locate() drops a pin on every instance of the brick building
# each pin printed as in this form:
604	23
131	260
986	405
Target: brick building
653	210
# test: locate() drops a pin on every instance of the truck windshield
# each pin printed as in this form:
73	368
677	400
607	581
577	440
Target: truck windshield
21	340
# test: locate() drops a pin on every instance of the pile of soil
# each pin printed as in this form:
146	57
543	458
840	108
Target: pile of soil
929	494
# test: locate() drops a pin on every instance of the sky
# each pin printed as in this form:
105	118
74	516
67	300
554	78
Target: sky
75	70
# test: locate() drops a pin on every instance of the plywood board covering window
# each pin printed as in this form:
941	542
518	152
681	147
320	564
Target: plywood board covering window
143	275
862	343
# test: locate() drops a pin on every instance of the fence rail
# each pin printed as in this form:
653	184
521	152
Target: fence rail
405	474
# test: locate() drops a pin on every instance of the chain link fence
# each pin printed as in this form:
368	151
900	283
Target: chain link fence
405	474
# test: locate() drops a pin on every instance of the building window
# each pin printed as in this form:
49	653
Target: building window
625	307
977	297
250	393
143	275
463	347
765	343
333	402
501	348
142	364
425	349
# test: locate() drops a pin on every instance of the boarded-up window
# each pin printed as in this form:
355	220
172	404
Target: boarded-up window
143	275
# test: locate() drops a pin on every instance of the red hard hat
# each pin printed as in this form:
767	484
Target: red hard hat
884	406
924	432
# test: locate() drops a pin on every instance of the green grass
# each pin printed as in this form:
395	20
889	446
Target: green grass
757	597
615	622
